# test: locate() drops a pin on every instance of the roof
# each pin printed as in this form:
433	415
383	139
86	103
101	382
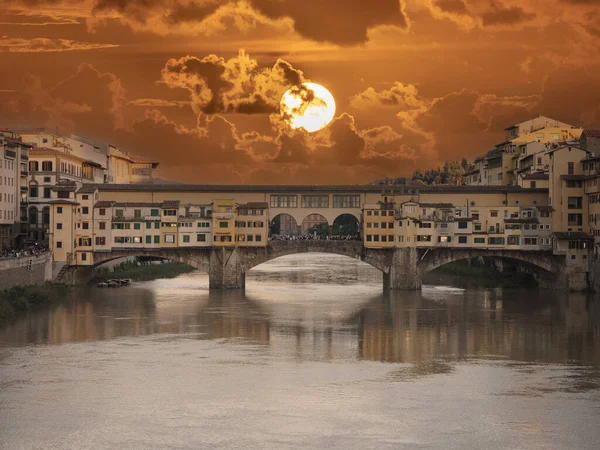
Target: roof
591	158
573	235
537	176
561	145
103	204
170	204
136	204
87	189
279	189
545	208
62	202
436	205
593	133
254	205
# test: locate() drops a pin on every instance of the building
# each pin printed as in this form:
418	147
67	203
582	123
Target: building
590	141
54	158
14	154
523	153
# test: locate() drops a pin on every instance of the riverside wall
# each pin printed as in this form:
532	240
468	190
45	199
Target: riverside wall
14	271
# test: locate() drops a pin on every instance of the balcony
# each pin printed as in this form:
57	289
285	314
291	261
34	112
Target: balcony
24	173
198	215
149	218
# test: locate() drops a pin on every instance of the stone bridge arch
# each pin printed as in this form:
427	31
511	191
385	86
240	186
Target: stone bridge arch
197	258
547	266
379	259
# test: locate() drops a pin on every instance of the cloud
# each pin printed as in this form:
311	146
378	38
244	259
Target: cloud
36	45
158	103
238	84
501	16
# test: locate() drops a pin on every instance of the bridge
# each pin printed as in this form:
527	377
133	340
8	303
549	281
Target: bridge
402	268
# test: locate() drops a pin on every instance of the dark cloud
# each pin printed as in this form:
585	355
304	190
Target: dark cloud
235	85
501	16
452	6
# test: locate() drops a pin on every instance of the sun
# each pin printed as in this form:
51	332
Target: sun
309	106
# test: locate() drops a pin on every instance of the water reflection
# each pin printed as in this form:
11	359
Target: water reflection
312	349
332	309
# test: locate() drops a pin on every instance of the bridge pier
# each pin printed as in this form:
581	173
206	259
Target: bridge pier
225	269
403	272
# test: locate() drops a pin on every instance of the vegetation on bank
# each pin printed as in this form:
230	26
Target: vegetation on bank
144	272
24	298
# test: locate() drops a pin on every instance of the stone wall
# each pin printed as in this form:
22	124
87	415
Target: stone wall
13	271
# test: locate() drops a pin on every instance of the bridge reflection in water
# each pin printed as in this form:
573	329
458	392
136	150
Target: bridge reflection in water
306	314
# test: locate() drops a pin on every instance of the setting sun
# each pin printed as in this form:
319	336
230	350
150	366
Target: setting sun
309	106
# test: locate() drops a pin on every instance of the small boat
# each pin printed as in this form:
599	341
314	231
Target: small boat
125	281
102	284
113	283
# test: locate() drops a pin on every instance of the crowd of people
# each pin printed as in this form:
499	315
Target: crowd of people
30	250
314	237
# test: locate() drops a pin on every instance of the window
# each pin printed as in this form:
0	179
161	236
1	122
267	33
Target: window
258	238
100	241
571	168
423	238
479	240
58	244
384	238
154	212
575	202
444	239
148	239
85	210
513	240
376	238
156	225
102	225
346	201
369	238
170	212
575	220
201	237
59	210
463	239
137	239
250	238
186	238
157	239
496	241
369	213
119	213
315	201
33	190
136	226
530	241
148	225
86	225
494	214
284	201
463	225
223	224
475	216
425	225
84	256
47	192
169	238
59	226
137	213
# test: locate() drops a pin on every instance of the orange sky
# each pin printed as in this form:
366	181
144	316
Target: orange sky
196	84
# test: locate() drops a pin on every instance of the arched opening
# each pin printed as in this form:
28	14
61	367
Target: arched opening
315	225
283	225
346	226
490	271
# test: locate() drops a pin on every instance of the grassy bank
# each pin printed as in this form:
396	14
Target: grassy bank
145	272
25	298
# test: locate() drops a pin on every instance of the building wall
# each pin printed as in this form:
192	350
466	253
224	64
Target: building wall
16	272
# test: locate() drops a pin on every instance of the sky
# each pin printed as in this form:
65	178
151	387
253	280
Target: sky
196	84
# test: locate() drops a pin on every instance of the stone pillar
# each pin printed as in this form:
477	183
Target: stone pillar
404	273
225	271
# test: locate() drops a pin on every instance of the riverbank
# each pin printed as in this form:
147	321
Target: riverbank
24	298
146	272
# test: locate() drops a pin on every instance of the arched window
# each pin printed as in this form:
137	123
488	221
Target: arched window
33	215
47	166
46	216
33	166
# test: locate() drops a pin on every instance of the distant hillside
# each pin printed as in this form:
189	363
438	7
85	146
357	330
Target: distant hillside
451	173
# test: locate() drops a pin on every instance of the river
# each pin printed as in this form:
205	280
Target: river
312	355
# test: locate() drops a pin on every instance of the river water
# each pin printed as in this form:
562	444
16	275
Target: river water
312	355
